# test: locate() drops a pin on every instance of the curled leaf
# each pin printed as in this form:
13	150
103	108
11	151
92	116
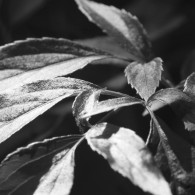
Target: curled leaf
22	105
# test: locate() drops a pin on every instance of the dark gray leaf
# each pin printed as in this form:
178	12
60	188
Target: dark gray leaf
48	161
127	154
121	25
22	105
182	103
144	77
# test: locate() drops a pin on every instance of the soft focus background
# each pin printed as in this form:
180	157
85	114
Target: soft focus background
171	28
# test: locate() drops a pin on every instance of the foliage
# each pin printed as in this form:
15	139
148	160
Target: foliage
33	78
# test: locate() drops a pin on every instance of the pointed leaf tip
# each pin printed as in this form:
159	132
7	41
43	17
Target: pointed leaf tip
144	77
122	26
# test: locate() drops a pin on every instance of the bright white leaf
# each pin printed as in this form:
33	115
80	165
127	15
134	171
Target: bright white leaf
144	77
59	178
127	154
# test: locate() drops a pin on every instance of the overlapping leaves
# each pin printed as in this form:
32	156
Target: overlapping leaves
145	73
30	84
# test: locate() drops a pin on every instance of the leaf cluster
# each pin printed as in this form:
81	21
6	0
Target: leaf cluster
35	75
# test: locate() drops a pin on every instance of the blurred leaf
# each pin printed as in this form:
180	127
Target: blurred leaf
42	59
52	160
21	10
124	27
127	154
189	85
24	104
144	77
106	44
188	65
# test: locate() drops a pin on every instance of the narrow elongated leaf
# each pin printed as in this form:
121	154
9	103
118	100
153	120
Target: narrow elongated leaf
38	59
127	154
40	160
25	103
179	154
144	77
124	27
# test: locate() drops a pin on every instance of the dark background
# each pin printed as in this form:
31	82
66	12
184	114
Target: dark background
171	28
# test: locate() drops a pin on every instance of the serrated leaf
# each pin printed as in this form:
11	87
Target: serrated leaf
121	25
127	154
41	59
22	105
87	104
40	159
144	77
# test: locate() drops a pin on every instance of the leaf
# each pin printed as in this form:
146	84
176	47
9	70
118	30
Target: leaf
106	44
50	160
144	77
21	11
179	154
189	85
121	25
180	102
127	154
22	105
41	59
87	104
84	103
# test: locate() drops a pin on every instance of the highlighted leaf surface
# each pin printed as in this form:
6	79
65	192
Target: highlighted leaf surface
22	105
144	77
48	164
127	154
